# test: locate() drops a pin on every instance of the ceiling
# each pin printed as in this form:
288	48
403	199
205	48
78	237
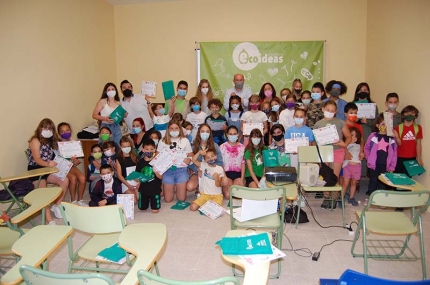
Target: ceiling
125	2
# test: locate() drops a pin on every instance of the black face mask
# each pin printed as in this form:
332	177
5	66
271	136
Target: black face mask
362	95
278	137
297	91
127	93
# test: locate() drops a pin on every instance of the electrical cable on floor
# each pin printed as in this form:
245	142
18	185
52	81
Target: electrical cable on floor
316	221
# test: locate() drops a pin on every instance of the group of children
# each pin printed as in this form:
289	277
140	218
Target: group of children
212	152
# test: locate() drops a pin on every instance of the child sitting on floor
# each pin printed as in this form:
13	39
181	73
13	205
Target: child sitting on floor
106	189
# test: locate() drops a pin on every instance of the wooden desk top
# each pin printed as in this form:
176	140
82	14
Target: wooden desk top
254	274
34	247
30	173
415	187
145	241
37	199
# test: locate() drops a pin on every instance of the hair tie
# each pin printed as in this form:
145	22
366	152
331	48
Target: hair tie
336	86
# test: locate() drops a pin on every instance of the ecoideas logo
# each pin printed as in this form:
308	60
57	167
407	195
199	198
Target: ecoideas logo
246	56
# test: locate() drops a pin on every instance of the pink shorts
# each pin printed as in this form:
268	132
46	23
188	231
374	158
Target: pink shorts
339	155
352	171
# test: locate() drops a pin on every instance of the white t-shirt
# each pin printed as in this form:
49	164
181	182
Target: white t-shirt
244	94
208	182
286	118
160	123
179	146
196	120
108	191
250	117
137	108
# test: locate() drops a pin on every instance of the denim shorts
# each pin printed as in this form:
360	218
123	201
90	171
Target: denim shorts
178	176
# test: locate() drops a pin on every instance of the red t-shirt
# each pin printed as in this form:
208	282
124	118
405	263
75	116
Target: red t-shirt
408	149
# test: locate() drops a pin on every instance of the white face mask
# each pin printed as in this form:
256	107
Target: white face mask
256	141
106	177
187	132
235	106
204	90
174	134
328	114
47	134
126	149
111	93
156	142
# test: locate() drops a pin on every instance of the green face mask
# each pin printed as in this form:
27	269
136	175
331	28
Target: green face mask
97	155
409	118
105	137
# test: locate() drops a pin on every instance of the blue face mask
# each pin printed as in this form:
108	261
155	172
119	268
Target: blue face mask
182	92
162	111
298	121
204	136
196	108
275	108
137	130
233	138
306	101
316	96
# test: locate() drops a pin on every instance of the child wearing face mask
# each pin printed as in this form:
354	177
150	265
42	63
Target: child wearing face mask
159	118
216	121
187	128
297	89
156	137
76	177
93	172
351	167
381	154
254	116
391	102
299	130
205	94
126	161
408	136
234	114
284	93
196	117
109	154
106	189
254	159
234	163
306	98
138	134
211	179
286	116
179	103
330	109
335	89
149	192
276	107
315	112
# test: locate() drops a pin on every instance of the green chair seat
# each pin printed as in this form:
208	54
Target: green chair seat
271	221
392	223
336	188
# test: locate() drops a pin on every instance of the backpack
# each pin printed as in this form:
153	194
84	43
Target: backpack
19	188
416	129
291	215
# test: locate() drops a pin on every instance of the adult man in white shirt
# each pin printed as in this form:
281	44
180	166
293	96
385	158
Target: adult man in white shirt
238	89
135	105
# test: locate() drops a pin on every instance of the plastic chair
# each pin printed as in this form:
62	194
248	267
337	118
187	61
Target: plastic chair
357	278
309	154
34	276
104	223
392	224
272	221
147	278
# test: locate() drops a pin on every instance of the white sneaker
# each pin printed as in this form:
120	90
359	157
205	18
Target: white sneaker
75	202
82	203
52	223
57	212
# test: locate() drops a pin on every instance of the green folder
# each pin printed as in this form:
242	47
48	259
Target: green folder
413	168
180	205
114	253
137	176
168	89
246	245
399	178
118	114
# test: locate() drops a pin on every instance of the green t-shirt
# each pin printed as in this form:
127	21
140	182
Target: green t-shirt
257	163
180	107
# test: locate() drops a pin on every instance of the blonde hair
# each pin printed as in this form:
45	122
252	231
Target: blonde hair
167	139
199	94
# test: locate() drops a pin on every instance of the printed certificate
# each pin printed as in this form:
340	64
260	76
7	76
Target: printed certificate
70	148
326	135
366	110
248	127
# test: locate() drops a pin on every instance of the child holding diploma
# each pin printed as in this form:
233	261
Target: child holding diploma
149	192
212	175
106	189
254	116
330	109
126	159
76	177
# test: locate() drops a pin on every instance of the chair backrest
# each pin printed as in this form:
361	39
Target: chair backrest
95	220
310	153
400	199
147	278
36	276
260	194
357	278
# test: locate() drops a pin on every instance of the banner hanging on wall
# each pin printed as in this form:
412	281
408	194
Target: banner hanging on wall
276	62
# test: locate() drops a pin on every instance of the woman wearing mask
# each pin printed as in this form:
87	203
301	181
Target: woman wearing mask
105	106
267	93
335	89
205	94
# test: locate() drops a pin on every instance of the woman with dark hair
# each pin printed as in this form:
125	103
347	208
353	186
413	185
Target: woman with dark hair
335	89
267	92
104	107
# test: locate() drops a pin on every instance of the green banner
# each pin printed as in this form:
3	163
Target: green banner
276	62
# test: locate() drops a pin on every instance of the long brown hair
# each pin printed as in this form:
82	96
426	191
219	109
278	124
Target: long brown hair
198	139
199	94
52	141
132	153
255	133
167	139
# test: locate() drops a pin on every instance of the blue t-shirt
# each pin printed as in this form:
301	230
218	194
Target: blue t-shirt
294	132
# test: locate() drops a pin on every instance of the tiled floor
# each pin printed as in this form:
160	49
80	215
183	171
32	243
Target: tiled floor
191	253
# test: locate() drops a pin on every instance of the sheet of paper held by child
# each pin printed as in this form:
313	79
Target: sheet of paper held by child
70	148
63	166
326	135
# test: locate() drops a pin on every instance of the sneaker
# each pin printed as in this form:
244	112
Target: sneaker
346	197
52	223
57	212
339	204
325	204
353	202
74	202
319	195
82	203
